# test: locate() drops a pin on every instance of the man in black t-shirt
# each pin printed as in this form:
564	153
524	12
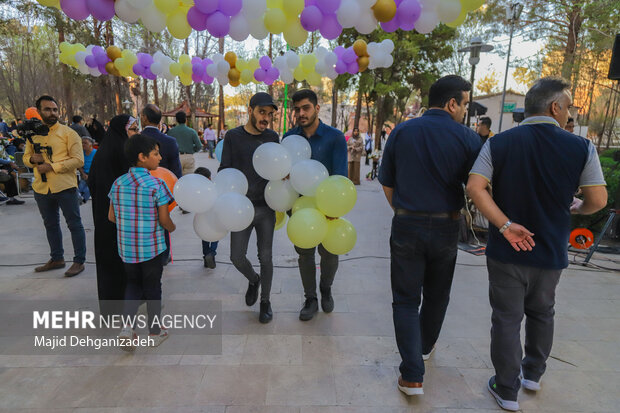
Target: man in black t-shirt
239	147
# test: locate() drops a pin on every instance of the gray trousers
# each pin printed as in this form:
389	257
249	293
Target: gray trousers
264	223
515	290
307	269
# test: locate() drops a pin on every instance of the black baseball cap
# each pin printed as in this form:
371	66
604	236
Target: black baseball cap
262	99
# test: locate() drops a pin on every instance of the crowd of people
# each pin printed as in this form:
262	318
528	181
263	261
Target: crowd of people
522	180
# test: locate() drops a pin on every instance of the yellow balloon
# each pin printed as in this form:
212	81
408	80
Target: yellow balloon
275	4
341	236
78	47
241	64
336	196
167	6
253	64
49	3
65	47
175	69
186	80
471	5
120	64
307	62
459	20
281	218
275	21
184	58
359	47
234	76
247	76
293	7
294	34
307	228
187	68
299	73
384	10
178	25
304	202
231	58
314	79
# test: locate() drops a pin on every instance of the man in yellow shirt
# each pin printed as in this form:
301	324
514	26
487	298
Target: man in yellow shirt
55	185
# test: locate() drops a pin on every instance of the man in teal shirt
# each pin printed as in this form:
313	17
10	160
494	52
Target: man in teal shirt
188	142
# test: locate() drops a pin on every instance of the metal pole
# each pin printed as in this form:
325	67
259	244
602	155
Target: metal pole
612	214
471	95
285	99
501	108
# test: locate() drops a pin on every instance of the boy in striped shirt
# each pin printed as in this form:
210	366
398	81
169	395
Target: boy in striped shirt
139	207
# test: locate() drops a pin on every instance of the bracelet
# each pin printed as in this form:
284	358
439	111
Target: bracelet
505	226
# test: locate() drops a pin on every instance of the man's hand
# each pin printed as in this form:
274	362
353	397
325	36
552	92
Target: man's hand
44	168
36	158
84	176
575	205
519	237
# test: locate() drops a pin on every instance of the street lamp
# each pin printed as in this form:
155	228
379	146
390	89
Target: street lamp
127	104
475	47
513	12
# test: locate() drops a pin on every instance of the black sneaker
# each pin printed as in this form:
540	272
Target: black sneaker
511	405
311	306
252	294
327	301
209	261
14	201
266	315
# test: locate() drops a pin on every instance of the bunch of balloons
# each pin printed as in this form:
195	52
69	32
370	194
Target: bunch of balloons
405	16
286	64
266	73
322	195
220	206
321	15
95	60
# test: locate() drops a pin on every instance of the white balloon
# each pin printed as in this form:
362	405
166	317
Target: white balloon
222	79
239	29
94	71
89	48
287	76
157	68
298	147
231	180
195	193
448	10
320	67
388	45
80	57
257	27
366	22
292	59
427	22
169	76
212	70
218	57
234	211
332	74
223	67
157	56
126	12
331	59
280	63
207	227
254	8
307	175
139	4
389	61
429	5
153	19
366	3
348	13
272	161
84	69
280	195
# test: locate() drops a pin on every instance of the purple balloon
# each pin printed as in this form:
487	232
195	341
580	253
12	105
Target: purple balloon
98	50
196	78
206	6
309	3
349	56
353	68
102	10
330	27
102	59
218	24
199	69
408	13
398	2
102	69
341	67
75	9
230	7
339	51
273	73
207	79
197	19
260	74
145	59
265	62
138	69
311	18
90	61
149	75
328	6
390	26
206	62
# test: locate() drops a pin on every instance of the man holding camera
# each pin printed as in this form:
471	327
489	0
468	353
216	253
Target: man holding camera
55	157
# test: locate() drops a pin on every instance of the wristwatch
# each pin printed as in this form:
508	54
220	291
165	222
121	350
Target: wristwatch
505	226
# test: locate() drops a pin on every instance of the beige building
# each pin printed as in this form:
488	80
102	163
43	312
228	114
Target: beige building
493	101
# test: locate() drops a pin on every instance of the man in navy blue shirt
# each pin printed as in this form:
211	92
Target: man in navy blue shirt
535	169
424	167
330	148
168	147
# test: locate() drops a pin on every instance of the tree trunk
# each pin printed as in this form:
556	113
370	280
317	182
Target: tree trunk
575	19
334	104
379	116
66	82
368	115
155	92
117	95
592	84
188	92
358	108
221	120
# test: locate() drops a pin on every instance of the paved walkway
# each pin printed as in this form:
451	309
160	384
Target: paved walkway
340	362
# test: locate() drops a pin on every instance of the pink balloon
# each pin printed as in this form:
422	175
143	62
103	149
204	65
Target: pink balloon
330	27
260	74
230	7
265	62
390	26
197	19
328	6
206	6
311	18
75	9
218	24
102	10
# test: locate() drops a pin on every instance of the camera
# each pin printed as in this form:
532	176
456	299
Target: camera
30	128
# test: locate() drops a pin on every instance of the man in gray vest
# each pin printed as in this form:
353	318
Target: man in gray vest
534	169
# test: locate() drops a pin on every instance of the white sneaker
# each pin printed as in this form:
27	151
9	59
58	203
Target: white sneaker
156	339
529	384
127	336
510	405
428	356
410	388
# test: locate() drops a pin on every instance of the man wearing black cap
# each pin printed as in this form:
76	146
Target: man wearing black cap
239	147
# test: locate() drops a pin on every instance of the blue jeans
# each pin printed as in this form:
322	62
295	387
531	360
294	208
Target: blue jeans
68	202
210	147
209	248
144	283
83	189
423	257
